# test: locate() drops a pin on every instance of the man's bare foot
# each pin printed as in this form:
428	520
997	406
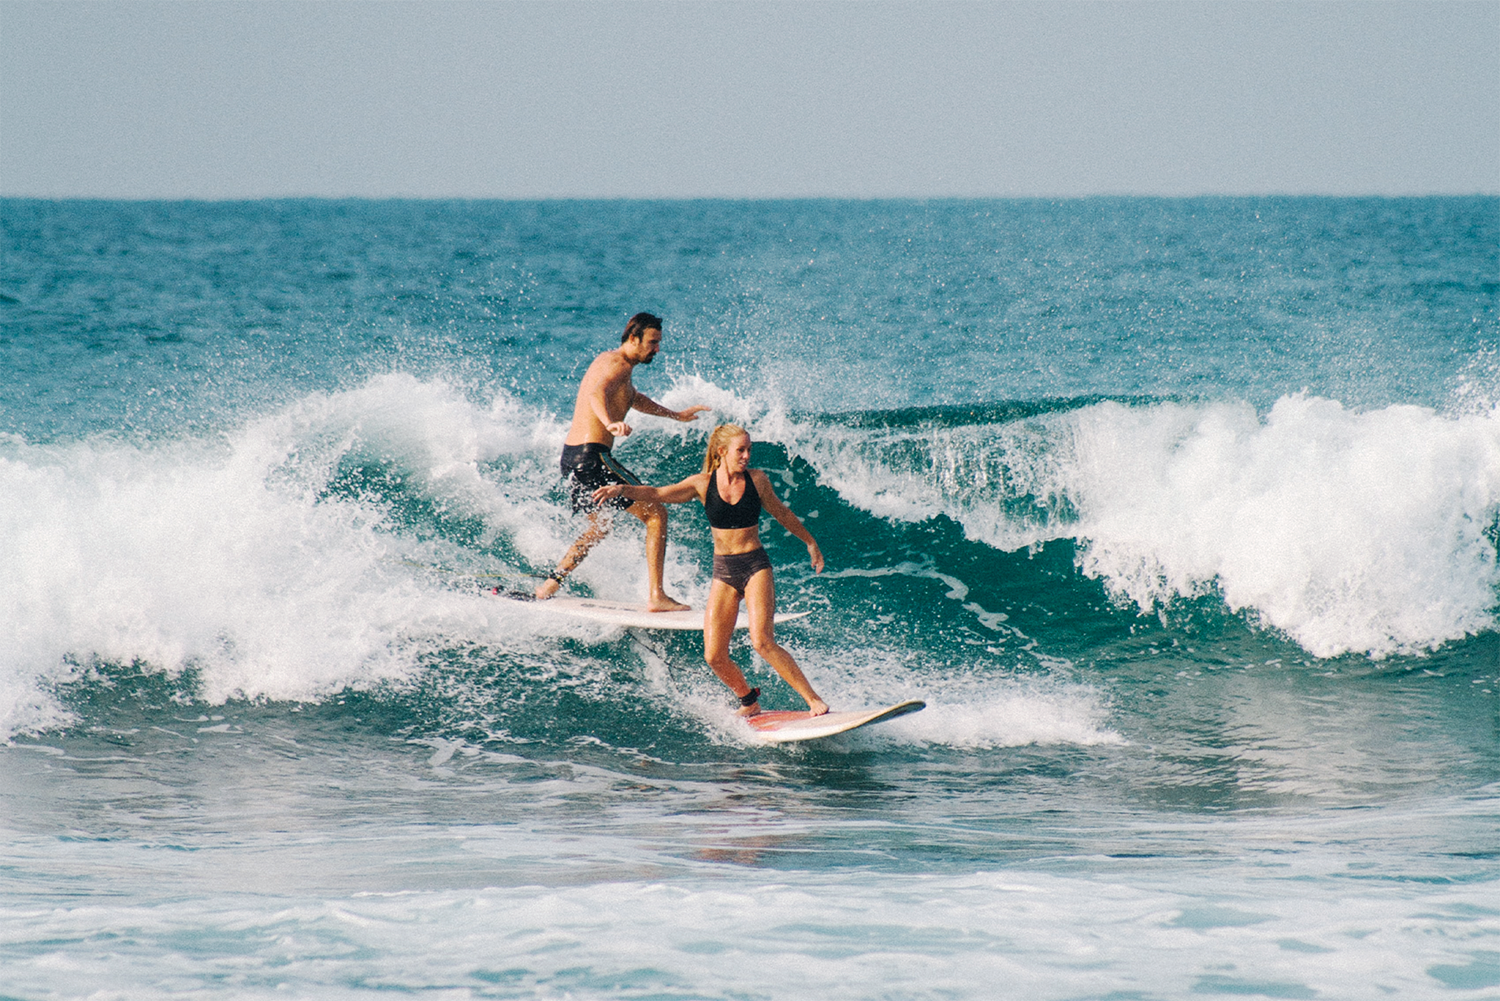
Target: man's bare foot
753	709
662	603
547	588
817	707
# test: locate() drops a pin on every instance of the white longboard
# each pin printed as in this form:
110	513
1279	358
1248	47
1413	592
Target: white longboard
629	613
783	727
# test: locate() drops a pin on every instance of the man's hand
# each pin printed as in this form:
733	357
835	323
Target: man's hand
691	413
619	429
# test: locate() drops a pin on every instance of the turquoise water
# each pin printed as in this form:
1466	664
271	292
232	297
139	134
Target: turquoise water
1181	515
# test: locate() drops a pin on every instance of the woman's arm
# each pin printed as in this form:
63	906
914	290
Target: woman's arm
689	489
783	514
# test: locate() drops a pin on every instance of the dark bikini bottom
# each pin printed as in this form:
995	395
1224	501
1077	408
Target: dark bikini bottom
736	569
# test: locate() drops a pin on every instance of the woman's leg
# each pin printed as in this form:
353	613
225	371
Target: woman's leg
760	604
719	613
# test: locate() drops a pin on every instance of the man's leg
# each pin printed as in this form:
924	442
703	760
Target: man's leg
592	536
655	517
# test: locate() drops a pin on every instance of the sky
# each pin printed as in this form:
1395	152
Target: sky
747	99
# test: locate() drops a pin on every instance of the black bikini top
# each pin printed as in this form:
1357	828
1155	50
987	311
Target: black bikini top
745	514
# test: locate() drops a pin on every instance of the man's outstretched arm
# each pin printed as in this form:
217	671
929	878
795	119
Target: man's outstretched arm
647	405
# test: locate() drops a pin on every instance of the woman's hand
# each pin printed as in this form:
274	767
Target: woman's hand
816	555
604	493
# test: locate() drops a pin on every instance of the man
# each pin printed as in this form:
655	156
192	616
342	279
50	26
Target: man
604	397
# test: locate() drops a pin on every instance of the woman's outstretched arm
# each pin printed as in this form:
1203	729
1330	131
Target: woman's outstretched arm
689	489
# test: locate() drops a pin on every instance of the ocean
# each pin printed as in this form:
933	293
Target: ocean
1180	514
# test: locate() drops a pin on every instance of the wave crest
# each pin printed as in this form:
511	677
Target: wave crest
1368	532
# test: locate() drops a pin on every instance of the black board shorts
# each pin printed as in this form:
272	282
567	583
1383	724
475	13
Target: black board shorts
588	467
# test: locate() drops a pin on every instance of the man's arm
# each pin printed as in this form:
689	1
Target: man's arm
647	405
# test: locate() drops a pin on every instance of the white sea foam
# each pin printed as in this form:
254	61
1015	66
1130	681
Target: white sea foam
966	708
619	923
1347	531
232	556
1011	714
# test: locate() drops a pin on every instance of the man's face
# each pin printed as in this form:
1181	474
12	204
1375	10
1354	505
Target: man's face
645	346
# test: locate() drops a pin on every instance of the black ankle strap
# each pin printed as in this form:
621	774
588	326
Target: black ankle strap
750	698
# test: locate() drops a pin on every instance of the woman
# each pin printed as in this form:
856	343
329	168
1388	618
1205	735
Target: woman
733	496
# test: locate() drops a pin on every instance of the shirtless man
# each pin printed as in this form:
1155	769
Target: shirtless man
604	397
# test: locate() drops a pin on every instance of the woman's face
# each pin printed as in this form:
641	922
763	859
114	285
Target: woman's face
737	454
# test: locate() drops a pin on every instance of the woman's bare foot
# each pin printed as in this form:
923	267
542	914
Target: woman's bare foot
662	603
816	707
547	588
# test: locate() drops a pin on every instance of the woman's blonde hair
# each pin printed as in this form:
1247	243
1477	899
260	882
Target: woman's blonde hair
718	441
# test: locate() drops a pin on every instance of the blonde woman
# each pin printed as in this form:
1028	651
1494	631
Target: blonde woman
733	496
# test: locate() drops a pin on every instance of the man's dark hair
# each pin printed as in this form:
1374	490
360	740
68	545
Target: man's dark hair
639	324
